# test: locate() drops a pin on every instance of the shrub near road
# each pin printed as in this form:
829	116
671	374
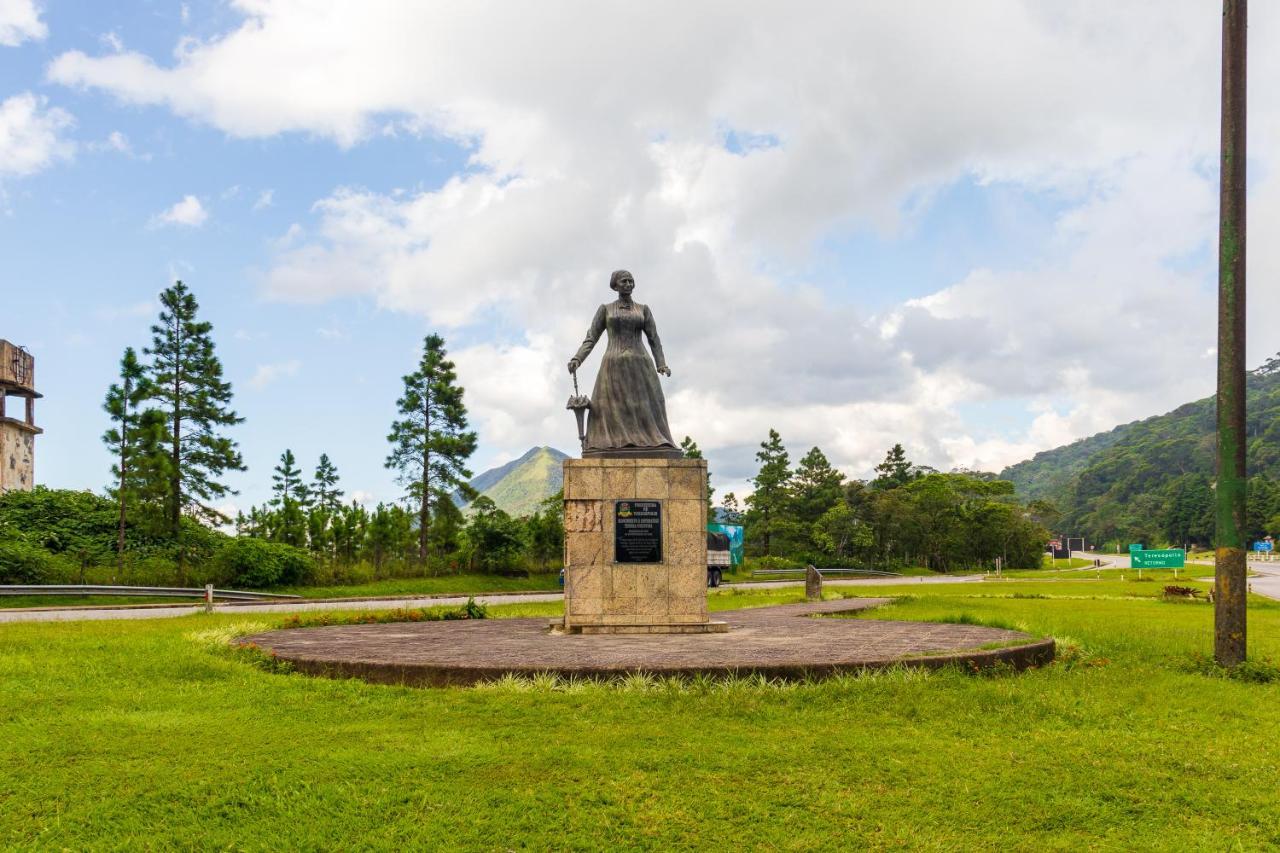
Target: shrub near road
145	734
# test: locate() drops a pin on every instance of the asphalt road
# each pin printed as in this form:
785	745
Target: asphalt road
1265	582
163	611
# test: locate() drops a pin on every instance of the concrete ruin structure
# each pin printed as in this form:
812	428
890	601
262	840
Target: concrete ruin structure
18	430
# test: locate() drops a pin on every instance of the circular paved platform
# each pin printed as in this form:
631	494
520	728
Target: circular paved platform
776	641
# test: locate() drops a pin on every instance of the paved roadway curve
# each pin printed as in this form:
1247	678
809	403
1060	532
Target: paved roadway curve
76	614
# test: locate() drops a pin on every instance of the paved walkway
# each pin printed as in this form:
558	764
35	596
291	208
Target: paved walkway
162	611
775	641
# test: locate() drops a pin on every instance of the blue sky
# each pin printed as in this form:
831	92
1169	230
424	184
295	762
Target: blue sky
859	226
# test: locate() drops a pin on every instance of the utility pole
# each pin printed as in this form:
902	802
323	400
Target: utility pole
1230	567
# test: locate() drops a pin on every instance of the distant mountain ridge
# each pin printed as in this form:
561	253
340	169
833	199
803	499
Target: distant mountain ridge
519	486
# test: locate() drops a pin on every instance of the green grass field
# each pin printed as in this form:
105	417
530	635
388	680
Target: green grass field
1065	562
148	734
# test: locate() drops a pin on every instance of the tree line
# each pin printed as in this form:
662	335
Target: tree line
907	515
389	537
169	413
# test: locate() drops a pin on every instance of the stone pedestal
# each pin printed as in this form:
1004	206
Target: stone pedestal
605	594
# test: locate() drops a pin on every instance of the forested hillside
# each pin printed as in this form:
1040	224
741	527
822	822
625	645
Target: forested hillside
1152	480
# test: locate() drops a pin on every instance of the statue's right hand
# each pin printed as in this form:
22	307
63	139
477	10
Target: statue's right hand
573	365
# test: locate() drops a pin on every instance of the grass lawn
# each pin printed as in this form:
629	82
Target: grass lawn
1064	563
145	734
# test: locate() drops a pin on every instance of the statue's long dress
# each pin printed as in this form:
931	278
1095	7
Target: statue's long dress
628	412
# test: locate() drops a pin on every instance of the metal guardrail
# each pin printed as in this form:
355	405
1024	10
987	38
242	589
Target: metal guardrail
868	572
139	591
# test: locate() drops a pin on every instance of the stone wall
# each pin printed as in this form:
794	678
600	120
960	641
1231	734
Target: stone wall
600	591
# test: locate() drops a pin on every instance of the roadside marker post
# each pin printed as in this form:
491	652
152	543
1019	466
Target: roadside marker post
208	598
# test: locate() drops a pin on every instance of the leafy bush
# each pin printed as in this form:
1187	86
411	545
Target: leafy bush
23	563
84	526
256	563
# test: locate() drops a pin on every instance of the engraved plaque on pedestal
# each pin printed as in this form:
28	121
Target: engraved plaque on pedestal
637	532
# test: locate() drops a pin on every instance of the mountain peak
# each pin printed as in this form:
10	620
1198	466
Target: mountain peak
519	486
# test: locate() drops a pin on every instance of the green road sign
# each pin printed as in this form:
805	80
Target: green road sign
1160	558
1136	546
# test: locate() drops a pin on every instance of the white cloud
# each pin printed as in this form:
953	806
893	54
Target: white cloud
230	510
266	374
117	142
587	155
188	212
31	135
20	21
265	199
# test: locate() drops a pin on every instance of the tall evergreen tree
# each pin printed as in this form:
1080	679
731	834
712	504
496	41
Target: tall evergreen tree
430	443
896	470
290	498
447	525
324	485
815	488
186	383
124	437
382	535
730	509
766	506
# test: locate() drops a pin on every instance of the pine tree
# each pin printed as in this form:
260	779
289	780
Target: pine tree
896	470
349	526
730	509
430	443
382	535
324	485
691	451
124	438
185	379
290	498
816	487
447	524
767	504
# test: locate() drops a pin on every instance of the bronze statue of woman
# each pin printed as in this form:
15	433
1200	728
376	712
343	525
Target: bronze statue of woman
628	415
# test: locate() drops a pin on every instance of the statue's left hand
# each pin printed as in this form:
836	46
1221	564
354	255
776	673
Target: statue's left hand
664	370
